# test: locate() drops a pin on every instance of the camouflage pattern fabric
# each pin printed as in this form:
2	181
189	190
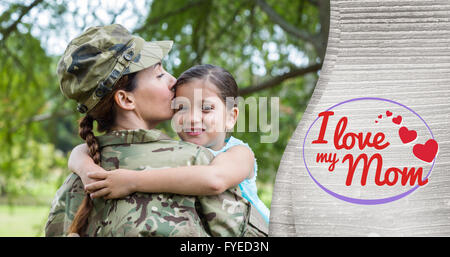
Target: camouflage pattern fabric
143	214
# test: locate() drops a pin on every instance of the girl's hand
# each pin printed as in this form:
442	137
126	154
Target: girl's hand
87	180
112	184
90	180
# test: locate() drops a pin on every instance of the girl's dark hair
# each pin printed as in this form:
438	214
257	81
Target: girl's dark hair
218	76
104	113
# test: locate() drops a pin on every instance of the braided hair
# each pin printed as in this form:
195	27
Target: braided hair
104	114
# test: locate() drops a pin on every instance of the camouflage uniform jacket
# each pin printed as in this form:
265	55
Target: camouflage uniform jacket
156	214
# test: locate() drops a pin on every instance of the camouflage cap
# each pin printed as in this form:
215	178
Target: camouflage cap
94	61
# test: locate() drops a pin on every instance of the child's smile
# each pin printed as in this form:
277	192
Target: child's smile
195	131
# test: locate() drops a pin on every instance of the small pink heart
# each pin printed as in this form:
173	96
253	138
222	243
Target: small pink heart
426	152
388	113
397	120
407	135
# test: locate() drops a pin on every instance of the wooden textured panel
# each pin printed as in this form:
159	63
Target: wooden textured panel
399	50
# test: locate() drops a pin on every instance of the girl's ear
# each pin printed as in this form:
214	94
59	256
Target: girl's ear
125	100
232	116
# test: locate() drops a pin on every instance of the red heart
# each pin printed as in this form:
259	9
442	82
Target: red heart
426	152
407	135
397	120
380	116
388	113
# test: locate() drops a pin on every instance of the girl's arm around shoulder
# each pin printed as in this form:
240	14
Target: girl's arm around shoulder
228	169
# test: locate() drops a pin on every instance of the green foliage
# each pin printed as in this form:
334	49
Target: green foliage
27	88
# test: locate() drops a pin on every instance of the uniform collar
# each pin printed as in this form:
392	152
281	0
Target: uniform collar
136	136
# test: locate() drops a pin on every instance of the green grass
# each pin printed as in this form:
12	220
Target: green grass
20	221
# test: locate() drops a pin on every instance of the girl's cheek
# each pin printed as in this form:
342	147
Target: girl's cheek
208	123
185	121
214	122
180	119
177	122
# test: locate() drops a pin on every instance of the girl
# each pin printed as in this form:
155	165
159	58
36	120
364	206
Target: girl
203	117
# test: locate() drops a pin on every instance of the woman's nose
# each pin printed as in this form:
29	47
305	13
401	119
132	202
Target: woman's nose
172	82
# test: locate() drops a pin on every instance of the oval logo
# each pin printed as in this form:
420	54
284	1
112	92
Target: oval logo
369	151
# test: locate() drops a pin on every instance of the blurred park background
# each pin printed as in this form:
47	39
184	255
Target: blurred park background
272	47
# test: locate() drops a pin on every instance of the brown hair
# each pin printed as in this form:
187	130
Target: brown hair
218	76
104	113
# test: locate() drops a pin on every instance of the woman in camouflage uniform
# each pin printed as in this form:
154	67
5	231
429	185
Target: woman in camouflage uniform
118	81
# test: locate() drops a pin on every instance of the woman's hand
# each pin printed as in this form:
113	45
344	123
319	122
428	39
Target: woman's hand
111	184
